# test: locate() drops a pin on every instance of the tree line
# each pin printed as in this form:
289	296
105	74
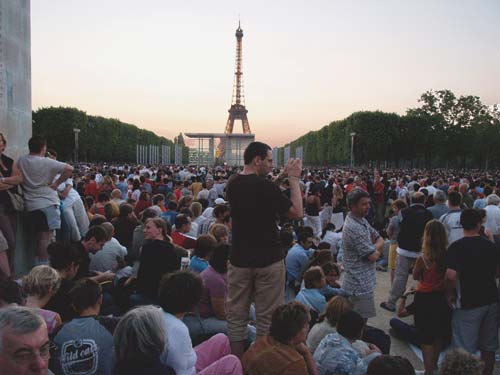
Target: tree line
445	131
100	139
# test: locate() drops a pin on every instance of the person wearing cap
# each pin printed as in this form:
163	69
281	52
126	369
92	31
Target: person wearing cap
256	272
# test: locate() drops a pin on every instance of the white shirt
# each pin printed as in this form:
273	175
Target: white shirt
72	196
178	353
492	218
333	239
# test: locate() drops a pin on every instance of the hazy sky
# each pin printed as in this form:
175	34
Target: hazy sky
168	65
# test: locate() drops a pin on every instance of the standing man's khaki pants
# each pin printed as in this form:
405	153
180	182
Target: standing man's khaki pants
265	286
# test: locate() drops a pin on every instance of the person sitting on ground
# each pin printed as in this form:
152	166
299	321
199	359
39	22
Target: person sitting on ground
124	225
310	296
65	259
212	307
390	365
143	203
39	286
157	258
23	333
193	232
159	204
205	245
171	213
182	227
98	207
84	343
327	322
116	197
139	340
400	329
185	201
92	242
112	255
283	351
335	354
196	208
138	236
318	258
220	232
329	235
296	260
460	362
179	294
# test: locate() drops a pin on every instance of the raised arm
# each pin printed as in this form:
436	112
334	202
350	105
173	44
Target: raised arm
294	170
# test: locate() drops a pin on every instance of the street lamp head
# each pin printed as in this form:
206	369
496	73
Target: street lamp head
353	134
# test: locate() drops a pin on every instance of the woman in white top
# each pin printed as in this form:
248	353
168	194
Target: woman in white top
179	293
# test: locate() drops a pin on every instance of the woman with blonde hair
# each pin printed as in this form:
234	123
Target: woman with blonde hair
40	285
432	313
10	178
328	321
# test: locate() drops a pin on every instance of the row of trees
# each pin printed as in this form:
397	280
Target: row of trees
100	139
444	131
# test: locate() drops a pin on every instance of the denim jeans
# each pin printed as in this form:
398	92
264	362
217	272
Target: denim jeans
210	326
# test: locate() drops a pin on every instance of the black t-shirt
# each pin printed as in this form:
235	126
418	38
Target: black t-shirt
256	204
84	269
60	301
476	260
157	259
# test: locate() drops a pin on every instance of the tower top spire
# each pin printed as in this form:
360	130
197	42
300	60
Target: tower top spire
239	30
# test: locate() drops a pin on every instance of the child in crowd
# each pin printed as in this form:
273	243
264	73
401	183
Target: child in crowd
311	296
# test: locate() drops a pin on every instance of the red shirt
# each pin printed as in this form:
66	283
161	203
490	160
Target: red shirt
91	189
379	192
182	240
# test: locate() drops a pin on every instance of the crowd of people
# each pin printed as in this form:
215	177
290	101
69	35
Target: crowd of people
220	270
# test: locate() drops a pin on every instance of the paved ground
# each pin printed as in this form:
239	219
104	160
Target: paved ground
381	321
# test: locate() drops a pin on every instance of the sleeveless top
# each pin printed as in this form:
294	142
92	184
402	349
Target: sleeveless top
51	318
432	280
8	162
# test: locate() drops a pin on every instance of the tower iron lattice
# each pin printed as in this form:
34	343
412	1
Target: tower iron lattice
237	111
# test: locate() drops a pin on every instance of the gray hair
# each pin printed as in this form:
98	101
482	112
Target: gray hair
458	362
19	320
355	196
140	335
493	199
440	196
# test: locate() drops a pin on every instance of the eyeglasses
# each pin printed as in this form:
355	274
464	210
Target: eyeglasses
27	356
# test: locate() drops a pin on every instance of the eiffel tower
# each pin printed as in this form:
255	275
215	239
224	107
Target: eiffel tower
238	110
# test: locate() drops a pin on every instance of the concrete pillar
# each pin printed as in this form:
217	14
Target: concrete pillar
15	75
15	103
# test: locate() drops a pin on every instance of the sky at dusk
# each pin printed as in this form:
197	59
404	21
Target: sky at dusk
168	66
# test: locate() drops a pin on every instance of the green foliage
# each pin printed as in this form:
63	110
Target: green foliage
100	139
444	130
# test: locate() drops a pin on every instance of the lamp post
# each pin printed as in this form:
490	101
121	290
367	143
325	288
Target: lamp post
352	149
76	131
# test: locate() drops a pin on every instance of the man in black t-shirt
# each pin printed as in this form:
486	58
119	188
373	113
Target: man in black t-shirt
257	270
472	264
